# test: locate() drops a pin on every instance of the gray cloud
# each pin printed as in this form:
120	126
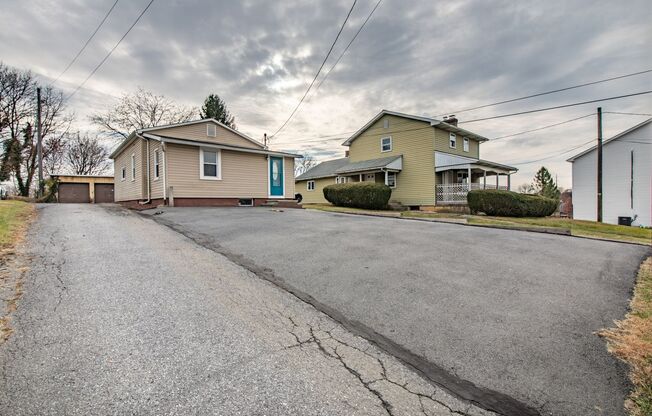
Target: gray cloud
413	56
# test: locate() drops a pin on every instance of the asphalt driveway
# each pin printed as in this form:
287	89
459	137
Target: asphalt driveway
509	311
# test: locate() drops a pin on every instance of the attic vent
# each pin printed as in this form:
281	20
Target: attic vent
211	130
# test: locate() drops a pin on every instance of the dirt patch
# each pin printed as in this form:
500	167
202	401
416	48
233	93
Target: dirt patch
631	341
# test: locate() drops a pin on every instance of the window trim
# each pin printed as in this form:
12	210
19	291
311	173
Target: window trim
123	174
340	179
208	125
133	167
452	140
157	164
218	170
466	144
391	144
308	186
395	179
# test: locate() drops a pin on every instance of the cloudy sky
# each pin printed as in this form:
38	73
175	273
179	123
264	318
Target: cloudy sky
419	57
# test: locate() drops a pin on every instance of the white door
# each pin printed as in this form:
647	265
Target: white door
370	177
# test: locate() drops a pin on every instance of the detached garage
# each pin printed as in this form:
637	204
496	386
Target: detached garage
82	189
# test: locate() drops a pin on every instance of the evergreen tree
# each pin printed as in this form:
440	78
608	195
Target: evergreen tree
545	185
215	107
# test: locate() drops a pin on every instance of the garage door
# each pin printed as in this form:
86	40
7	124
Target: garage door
103	192
73	192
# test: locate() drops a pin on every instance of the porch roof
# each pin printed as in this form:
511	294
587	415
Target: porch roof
393	163
479	164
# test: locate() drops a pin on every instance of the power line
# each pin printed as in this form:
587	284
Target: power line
555	155
318	71
87	42
545	93
112	49
541	128
556	107
350	42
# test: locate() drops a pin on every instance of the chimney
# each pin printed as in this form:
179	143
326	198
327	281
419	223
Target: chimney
452	120
265	139
346	153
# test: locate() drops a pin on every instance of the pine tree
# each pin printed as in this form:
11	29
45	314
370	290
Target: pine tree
545	185
215	107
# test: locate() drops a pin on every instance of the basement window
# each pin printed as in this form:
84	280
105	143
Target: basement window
246	202
311	185
211	130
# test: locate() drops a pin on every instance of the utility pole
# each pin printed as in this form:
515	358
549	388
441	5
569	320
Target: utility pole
39	142
599	164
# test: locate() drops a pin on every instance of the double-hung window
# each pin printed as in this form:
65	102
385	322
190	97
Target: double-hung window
157	164
386	144
133	167
209	161
311	185
391	179
466	144
452	141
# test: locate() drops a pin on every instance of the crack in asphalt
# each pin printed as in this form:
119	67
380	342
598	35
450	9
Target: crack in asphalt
465	390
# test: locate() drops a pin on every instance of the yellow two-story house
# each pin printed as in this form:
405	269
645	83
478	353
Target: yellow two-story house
426	162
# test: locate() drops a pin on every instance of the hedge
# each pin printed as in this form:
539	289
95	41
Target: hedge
368	195
510	204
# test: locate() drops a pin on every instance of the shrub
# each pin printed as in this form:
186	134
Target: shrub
510	204
367	195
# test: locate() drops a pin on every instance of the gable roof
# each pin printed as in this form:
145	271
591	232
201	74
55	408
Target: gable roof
433	122
616	137
205	120
324	169
370	164
138	133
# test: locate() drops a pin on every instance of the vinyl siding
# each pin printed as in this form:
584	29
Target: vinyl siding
316	196
617	187
244	175
130	190
198	132
415	141
288	171
156	184
442	145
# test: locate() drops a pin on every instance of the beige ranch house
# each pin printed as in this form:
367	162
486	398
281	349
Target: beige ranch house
200	163
426	162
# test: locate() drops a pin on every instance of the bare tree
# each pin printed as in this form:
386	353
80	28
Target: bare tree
86	155
304	164
17	131
139	110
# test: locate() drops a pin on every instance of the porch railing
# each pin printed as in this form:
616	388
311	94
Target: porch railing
455	193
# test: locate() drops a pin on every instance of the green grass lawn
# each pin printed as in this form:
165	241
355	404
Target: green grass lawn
578	228
14	218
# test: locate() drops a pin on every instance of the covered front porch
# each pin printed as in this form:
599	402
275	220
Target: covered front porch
454	181
383	170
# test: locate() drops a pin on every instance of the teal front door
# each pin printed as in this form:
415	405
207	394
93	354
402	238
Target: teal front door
275	176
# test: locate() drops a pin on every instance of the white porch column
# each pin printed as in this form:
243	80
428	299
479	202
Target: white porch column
361	177
468	181
497	179
509	181
484	180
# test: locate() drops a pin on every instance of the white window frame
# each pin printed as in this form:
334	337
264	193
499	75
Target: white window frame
133	167
466	144
208	130
395	179
452	141
157	164
123	174
218	159
310	188
391	144
340	179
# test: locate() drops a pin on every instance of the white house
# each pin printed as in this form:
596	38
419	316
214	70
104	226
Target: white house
626	178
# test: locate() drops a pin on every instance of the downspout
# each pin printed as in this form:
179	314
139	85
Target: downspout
165	174
149	182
